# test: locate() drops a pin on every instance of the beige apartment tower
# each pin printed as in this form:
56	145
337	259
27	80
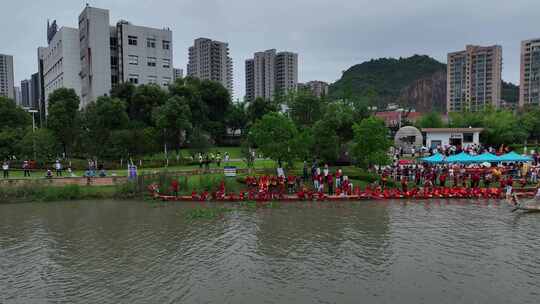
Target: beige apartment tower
7	83
210	60
270	73
474	78
529	85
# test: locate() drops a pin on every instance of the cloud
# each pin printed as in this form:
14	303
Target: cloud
329	36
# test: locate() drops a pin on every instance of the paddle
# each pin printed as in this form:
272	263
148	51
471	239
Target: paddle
516	206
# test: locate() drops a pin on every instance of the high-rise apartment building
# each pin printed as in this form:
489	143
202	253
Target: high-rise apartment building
286	72
35	92
26	87
529	86
270	73
316	87
7	82
210	60
178	74
17	96
250	80
474	78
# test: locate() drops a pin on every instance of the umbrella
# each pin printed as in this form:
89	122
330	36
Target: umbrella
434	159
514	157
487	157
460	158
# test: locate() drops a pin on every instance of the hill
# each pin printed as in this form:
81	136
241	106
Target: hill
417	82
510	92
385	79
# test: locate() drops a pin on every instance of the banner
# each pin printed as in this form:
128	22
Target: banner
229	171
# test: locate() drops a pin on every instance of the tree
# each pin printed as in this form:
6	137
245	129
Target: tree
42	142
13	116
371	142
99	120
326	143
63	119
145	99
530	121
430	120
274	134
258	108
305	109
13	123
174	117
237	118
502	128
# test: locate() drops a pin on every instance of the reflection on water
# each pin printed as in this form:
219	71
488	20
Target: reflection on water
384	252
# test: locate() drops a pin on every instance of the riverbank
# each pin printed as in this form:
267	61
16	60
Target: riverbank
42	193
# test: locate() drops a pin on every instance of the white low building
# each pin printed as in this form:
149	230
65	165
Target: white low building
441	137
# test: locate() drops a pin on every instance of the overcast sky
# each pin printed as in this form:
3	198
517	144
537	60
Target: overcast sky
329	35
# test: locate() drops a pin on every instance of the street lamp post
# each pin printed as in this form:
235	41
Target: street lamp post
30	110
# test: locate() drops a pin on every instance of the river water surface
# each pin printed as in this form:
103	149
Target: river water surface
366	252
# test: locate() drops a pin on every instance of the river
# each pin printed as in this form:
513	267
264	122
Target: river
369	252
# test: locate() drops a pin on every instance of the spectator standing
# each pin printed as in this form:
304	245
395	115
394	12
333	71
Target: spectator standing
58	168
5	169
26	168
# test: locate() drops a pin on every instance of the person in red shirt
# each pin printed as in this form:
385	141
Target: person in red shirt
330	182
175	187
404	184
442	180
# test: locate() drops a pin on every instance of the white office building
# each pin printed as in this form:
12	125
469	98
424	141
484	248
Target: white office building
7	83
95	54
61	62
144	54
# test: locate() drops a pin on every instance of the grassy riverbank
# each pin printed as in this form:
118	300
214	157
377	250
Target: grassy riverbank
34	190
43	193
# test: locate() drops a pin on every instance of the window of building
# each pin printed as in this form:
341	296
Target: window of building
132	40
166	63
152	79
134	79
151	61
468	137
166	45
151	43
133	59
114	61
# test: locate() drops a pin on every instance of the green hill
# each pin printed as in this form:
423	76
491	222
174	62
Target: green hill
384	79
510	92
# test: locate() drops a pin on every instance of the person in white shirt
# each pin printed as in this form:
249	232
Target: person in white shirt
58	167
5	168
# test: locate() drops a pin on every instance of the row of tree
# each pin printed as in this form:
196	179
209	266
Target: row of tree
142	120
501	127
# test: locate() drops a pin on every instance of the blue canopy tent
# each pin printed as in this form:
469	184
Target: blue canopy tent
461	158
434	159
487	158
514	157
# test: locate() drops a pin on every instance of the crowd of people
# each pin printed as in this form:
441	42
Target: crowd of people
55	169
204	160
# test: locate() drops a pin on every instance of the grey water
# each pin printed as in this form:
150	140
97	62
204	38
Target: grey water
363	252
